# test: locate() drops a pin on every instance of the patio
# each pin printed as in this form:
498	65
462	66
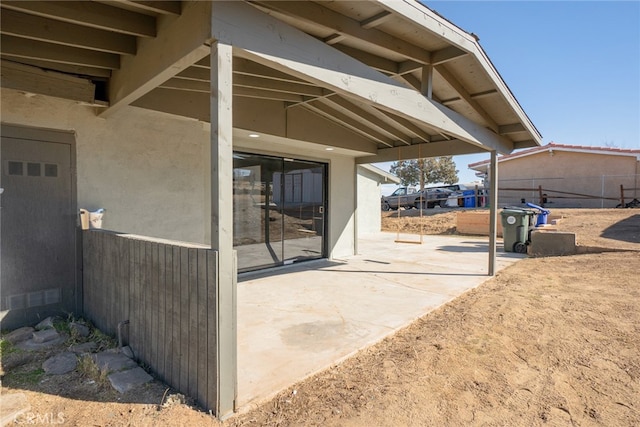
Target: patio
296	321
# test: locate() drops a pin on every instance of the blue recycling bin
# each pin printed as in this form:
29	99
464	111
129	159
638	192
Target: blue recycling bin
542	214
469	198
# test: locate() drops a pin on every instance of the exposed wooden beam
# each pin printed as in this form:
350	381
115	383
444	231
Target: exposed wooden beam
195	73
163	7
23	48
316	14
63	68
427	81
407	67
334	39
179	44
376	62
408	126
242	66
31	79
346	107
511	128
57	32
349	123
457	86
375	20
485	94
269	43
447	54
267	94
90	14
425	150
278	85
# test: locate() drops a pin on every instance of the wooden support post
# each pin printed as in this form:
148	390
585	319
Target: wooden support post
621	196
493	211
540	196
222	226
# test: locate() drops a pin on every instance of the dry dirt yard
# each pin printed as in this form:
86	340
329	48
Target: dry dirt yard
548	341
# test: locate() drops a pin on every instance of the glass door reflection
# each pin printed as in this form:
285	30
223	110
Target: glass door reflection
278	210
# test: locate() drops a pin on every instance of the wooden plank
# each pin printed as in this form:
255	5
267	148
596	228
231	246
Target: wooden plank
184	319
162	311
193	323
175	319
136	314
124	285
87	276
202	326
168	315
146	303
155	307
212	322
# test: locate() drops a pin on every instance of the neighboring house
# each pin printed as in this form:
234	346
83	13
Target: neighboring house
568	176
370	180
177	117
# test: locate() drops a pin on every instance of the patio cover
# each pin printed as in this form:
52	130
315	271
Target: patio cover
404	80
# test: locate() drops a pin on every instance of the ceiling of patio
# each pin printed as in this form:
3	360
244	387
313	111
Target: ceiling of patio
90	39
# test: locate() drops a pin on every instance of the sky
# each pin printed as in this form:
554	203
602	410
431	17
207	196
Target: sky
574	66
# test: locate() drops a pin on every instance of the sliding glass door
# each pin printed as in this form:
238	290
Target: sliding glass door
278	209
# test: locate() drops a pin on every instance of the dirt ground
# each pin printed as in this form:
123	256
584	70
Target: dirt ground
548	341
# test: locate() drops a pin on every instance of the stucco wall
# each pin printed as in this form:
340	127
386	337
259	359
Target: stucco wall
144	168
368	213
592	174
150	170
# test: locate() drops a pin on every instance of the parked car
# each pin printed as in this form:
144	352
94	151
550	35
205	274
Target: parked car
432	197
403	196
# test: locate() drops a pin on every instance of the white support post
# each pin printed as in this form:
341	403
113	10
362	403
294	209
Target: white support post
493	212
222	226
427	81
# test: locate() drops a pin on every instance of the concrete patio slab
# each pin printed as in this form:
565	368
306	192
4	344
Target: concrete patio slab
299	320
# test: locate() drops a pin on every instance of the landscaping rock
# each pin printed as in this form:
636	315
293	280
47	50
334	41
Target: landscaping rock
126	380
45	335
79	328
30	345
60	364
45	324
86	347
108	361
20	334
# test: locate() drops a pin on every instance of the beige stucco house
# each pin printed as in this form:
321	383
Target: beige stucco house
220	137
568	176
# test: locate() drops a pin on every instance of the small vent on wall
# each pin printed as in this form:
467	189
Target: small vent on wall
34	299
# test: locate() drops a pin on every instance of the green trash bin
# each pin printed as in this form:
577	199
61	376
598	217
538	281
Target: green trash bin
516	224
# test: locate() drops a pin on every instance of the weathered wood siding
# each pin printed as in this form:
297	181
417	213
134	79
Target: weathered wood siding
167	292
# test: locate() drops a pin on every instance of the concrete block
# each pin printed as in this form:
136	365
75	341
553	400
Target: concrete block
552	243
45	324
60	364
111	362
79	328
126	380
86	347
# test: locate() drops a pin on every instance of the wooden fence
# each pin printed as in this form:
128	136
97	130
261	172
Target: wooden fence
546	194
167	293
